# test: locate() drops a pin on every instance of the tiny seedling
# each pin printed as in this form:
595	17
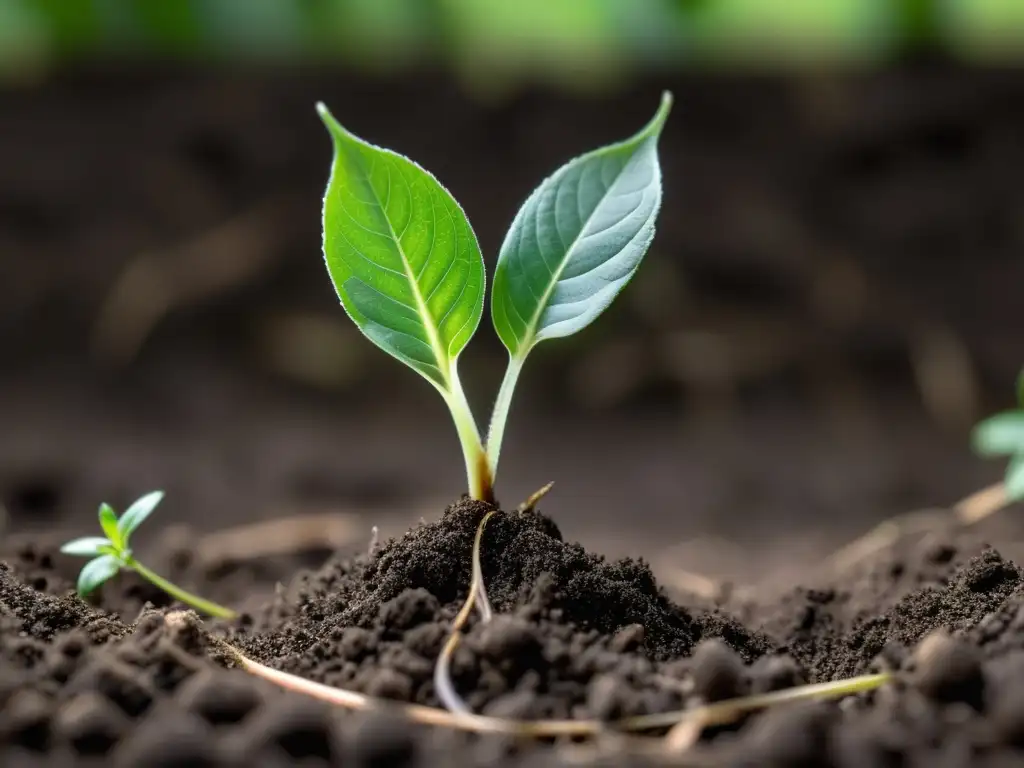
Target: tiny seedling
111	553
1003	435
408	270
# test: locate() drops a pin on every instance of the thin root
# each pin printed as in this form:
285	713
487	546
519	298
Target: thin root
686	730
968	511
883	535
477	597
711	714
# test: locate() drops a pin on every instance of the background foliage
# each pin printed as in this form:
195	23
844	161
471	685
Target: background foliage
492	43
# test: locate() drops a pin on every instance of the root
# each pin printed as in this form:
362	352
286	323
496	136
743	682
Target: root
686	730
719	713
883	535
968	511
462	721
477	597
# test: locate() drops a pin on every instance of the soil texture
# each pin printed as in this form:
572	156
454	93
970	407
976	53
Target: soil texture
124	682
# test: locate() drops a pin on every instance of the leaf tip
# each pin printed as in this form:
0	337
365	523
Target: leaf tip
330	122
661	116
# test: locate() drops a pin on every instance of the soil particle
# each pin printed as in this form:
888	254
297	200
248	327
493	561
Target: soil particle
948	669
717	671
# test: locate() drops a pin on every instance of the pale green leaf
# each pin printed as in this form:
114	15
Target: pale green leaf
578	240
137	513
97	571
1000	435
88	546
404	260
1014	479
108	522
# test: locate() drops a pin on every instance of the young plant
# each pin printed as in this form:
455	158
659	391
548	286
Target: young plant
408	270
1003	435
111	553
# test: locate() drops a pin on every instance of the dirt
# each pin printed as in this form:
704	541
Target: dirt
829	246
575	636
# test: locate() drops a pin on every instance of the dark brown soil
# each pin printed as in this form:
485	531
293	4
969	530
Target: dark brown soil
575	637
833	243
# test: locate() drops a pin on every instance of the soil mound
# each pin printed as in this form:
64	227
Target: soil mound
576	636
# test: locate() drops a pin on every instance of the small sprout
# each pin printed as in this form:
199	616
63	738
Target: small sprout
407	268
1003	435
111	553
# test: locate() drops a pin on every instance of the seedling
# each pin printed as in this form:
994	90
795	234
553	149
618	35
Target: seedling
408	270
1003	435
112	553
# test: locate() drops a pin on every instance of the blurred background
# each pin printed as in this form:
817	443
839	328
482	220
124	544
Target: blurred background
834	295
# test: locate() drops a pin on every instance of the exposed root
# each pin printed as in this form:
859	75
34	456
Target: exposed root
883	535
712	714
968	511
415	712
686	731
477	597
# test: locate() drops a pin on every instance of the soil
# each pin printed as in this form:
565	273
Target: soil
829	246
129	683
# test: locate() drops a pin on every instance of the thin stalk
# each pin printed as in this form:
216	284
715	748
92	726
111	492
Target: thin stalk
200	604
478	471
477	596
499	416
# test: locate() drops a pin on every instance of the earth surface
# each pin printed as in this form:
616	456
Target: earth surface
831	301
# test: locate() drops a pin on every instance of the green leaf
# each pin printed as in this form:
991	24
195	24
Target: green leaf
97	571
137	513
578	240
1000	435
1020	389
402	255
108	522
88	546
1014	480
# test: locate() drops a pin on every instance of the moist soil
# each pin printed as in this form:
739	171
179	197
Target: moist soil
904	185
128	679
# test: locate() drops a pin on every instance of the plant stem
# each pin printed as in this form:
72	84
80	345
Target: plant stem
478	470
207	607
499	417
